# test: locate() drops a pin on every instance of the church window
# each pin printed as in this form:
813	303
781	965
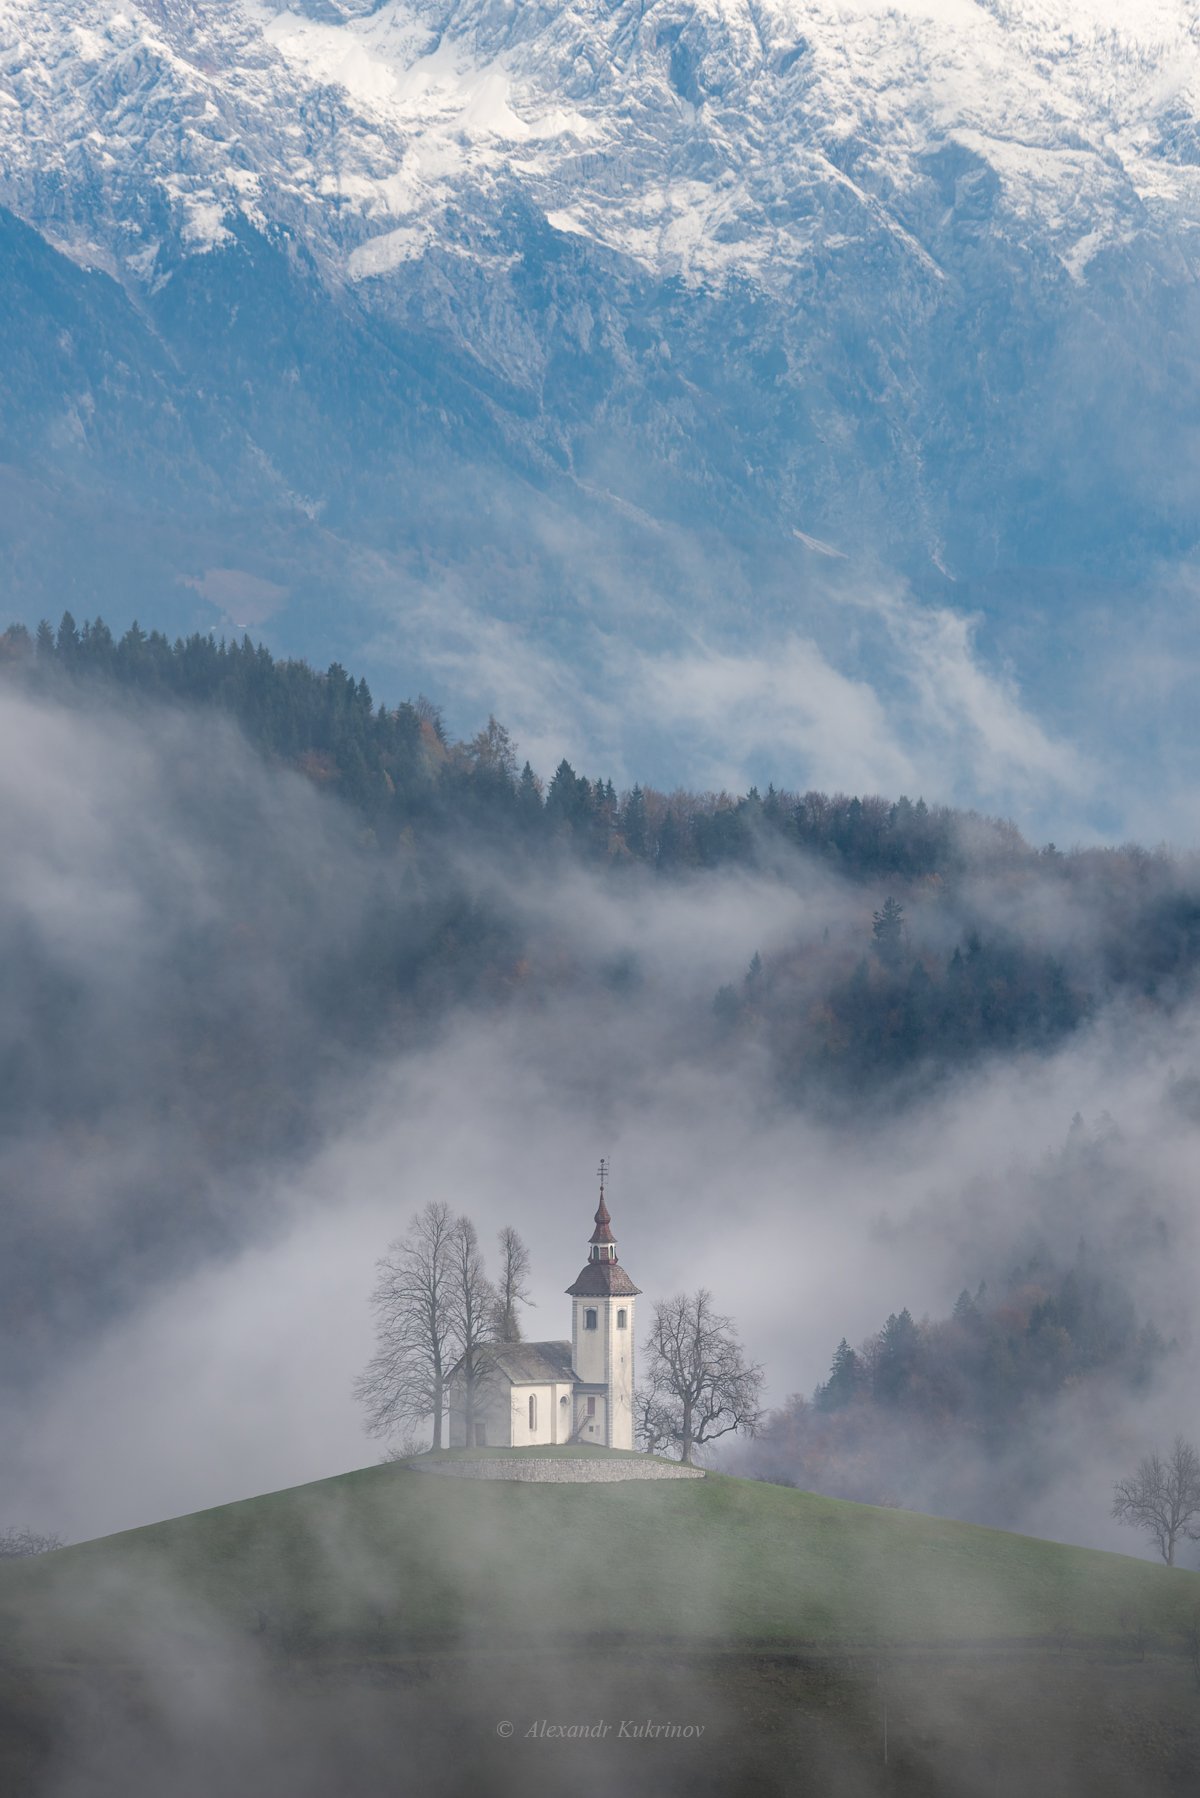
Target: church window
533	1410
589	1320
591	1407
622	1320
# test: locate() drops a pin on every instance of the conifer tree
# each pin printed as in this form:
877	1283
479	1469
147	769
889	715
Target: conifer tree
633	822
844	1382
888	932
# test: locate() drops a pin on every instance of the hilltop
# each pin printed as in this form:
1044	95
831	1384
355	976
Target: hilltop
387	1559
781	1620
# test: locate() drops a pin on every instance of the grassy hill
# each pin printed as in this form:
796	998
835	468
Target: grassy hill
408	1560
783	1622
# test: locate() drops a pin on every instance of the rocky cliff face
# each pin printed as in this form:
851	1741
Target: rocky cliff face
362	296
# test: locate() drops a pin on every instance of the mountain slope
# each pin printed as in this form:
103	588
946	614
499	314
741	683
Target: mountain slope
481	317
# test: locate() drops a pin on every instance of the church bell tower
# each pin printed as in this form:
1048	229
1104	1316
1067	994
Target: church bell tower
602	1339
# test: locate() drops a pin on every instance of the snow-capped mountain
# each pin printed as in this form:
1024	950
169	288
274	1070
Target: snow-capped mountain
355	295
705	141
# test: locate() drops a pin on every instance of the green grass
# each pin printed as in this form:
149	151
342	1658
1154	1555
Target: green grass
317	1640
392	1559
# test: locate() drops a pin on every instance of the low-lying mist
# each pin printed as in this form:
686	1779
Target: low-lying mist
244	1043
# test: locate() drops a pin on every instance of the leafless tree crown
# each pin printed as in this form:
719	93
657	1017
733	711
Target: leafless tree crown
16	1545
698	1385
1163	1498
512	1285
404	1381
473	1322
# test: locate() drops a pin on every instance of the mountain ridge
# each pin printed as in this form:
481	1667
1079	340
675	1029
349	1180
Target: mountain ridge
555	326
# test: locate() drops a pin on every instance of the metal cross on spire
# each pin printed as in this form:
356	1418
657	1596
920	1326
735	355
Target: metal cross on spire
603	1172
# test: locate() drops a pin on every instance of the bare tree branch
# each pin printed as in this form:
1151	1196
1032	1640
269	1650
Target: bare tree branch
512	1285
698	1384
1163	1498
404	1382
472	1312
16	1545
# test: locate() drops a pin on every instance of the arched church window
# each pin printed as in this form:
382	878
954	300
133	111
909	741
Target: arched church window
589	1320
533	1410
622	1320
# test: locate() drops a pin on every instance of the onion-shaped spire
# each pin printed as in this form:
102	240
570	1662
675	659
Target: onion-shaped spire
602	1238
603	1276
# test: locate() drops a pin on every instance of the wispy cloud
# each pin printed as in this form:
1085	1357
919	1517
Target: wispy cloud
791	706
882	694
953	703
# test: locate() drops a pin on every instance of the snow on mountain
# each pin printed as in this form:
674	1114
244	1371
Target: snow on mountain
732	137
470	321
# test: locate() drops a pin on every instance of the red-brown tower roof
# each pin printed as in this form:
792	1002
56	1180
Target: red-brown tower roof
603	1276
602	1232
603	1280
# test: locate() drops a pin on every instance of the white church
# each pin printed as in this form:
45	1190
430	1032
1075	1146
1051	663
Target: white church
558	1392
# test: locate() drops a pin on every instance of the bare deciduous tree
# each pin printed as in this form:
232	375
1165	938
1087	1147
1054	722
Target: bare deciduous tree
16	1544
1163	1498
404	1448
698	1383
404	1381
651	1423
512	1285
472	1311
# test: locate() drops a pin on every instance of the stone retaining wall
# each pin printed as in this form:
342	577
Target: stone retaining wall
559	1470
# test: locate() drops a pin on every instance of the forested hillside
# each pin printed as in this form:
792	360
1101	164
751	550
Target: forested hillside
955	1414
960	936
248	907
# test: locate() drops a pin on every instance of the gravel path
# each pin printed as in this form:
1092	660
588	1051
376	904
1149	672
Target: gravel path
559	1471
